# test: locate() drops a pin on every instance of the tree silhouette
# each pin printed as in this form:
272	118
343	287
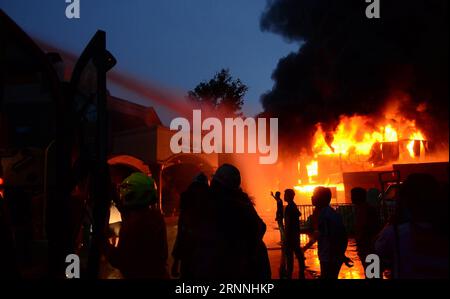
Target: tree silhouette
222	94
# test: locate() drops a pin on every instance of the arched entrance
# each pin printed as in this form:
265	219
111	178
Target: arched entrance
122	166
131	162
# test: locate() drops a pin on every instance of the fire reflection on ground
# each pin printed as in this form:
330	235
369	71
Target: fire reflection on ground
272	240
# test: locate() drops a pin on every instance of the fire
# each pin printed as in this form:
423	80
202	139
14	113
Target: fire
309	189
356	139
410	146
313	170
390	134
357	134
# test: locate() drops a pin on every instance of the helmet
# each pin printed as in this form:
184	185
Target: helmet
137	190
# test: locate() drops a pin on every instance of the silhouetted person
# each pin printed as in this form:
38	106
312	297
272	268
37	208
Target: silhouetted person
330	234
292	235
373	197
239	250
192	207
279	213
279	219
415	244
366	224
142	248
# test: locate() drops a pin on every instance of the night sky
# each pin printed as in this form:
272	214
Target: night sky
175	43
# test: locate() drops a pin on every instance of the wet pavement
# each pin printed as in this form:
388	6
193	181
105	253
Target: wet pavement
272	240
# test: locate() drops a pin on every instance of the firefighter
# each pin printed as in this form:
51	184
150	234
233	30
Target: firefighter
142	248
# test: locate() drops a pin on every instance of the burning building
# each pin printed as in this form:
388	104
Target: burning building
361	144
358	95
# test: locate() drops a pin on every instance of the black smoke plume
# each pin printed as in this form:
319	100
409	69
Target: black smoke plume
347	63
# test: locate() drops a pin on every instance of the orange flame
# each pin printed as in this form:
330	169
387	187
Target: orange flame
313	170
410	146
357	134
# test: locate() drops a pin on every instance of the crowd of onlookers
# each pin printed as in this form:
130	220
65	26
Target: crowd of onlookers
220	235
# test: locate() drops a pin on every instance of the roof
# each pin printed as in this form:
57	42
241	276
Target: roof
126	115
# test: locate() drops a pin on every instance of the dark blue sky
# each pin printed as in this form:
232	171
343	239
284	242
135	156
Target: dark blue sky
176	43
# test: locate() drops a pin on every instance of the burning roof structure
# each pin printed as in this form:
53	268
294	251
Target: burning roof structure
359	95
